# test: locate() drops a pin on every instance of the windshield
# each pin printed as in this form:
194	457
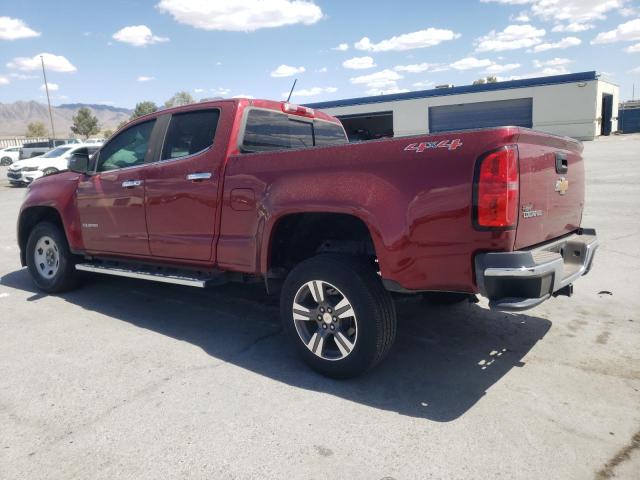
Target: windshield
56	152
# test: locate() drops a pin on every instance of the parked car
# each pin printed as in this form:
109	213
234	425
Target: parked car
94	141
54	161
34	149
255	190
9	155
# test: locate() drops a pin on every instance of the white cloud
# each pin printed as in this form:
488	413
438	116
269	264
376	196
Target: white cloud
579	11
221	92
343	47
286	71
4	80
243	95
522	17
52	87
144	78
512	37
573	27
425	84
383	79
138	36
633	48
498	68
54	63
241	15
198	90
415	68
310	92
625	32
22	76
387	91
359	63
408	41
554	62
322	70
564	43
552	71
468	63
635	70
14	28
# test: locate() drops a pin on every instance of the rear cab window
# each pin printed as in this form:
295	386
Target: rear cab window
268	130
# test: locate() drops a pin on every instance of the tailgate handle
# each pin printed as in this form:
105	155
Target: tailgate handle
562	164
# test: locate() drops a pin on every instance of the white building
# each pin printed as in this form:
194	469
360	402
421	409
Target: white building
579	105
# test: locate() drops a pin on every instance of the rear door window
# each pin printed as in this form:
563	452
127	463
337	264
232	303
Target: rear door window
267	130
190	133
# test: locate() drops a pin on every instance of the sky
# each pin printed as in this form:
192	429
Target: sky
122	52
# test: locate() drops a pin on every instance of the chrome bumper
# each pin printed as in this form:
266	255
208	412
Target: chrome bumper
523	279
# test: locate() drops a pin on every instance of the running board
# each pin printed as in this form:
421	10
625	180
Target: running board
159	274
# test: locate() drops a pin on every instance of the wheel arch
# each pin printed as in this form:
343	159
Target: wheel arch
297	235
29	218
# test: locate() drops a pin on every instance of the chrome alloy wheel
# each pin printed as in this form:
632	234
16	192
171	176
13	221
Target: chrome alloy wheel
46	257
325	320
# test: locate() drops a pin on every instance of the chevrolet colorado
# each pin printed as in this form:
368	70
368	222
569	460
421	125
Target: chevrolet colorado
256	190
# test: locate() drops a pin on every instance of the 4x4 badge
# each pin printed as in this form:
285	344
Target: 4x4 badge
562	185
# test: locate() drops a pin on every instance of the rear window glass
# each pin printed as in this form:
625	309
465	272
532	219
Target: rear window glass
36	145
267	130
190	133
328	134
56	152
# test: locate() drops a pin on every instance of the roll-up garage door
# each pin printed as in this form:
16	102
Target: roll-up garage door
518	112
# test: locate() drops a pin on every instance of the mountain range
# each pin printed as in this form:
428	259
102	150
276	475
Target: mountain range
14	117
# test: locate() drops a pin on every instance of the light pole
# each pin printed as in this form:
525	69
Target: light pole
46	87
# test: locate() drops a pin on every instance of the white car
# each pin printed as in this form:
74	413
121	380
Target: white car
56	160
9	155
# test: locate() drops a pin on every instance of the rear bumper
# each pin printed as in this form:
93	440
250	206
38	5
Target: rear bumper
526	278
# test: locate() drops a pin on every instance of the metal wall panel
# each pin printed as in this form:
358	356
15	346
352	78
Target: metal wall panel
518	112
629	120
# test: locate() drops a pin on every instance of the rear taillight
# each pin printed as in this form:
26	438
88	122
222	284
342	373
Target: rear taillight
496	189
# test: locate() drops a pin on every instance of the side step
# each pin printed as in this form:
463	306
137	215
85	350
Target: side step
155	274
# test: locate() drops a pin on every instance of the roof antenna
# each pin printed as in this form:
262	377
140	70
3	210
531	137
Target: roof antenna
291	92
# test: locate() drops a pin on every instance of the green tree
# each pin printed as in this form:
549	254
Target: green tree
180	98
107	133
122	124
36	129
492	79
143	108
480	81
85	123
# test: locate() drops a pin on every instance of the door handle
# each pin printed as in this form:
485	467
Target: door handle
131	183
195	177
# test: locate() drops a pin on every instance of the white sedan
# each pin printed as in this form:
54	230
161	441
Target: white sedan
56	160
9	155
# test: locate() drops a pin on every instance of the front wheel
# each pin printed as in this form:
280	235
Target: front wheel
49	259
4	161
49	171
340	318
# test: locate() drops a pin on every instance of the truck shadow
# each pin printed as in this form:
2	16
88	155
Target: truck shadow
444	361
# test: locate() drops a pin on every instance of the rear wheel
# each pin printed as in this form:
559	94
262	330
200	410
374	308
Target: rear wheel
338	315
49	260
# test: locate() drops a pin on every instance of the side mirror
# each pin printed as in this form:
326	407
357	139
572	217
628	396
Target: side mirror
79	163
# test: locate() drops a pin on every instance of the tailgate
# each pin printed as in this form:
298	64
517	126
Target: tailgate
551	187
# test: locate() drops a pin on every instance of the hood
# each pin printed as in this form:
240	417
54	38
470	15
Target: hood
29	162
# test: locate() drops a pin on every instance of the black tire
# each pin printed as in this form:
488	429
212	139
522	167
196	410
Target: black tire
49	171
448	298
373	306
4	161
65	276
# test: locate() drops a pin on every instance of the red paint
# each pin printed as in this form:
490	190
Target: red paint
416	202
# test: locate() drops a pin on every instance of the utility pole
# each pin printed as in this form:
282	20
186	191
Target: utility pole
46	87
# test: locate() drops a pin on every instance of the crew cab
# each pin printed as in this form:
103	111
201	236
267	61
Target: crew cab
256	190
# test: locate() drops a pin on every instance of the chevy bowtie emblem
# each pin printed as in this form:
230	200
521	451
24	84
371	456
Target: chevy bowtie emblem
562	185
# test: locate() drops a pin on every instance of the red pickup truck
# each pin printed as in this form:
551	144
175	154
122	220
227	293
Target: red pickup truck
256	190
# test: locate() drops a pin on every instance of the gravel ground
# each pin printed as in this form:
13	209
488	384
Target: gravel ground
133	380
